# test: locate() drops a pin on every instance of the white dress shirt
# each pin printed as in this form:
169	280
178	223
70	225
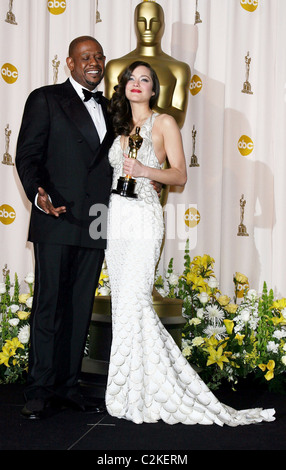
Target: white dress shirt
93	108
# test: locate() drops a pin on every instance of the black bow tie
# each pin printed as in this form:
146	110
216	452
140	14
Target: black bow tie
88	95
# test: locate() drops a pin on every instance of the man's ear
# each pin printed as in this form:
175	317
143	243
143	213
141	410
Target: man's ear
70	63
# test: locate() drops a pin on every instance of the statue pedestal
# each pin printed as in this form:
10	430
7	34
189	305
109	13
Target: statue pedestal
95	366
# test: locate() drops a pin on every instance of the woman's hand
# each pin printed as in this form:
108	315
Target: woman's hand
133	167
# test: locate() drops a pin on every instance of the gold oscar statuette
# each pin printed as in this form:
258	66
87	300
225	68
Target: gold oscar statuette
242	230
126	184
10	17
7	159
197	15
246	84
194	159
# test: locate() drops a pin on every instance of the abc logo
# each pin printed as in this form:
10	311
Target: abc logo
196	85
7	214
249	5
57	7
192	217
9	73
245	145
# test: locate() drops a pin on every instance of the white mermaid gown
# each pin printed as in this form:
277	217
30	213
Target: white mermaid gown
149	379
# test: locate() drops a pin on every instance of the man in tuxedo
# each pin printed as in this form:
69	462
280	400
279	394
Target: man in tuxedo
62	161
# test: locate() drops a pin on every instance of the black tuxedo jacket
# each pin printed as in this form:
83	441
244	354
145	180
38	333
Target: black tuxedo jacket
58	149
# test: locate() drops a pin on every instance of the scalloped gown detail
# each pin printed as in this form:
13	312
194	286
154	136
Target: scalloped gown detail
149	379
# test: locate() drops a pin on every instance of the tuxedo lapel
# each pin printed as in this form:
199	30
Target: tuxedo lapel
77	112
109	136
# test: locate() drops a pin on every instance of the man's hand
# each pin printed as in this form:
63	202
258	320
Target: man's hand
157	186
45	204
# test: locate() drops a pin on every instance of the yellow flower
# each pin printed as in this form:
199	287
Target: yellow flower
202	265
5	355
23	315
229	324
279	304
277	320
188	278
239	338
231	308
8	351
270	366
198	341
217	357
14	343
223	300
23	298
212	341
196	281
241	278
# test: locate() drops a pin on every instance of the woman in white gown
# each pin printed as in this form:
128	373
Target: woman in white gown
149	379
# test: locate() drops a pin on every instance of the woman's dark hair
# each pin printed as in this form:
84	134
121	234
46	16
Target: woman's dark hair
119	107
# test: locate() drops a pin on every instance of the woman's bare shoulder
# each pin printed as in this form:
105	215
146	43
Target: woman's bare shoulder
165	120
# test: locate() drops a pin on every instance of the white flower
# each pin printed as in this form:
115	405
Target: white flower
251	294
200	313
279	334
104	290
203	297
14	308
245	315
218	331
283	360
185	342
238	327
24	334
173	279
29	279
161	291
29	302
212	283
13	321
104	271
272	347
194	321
214	314
2	288
283	312
253	322
186	351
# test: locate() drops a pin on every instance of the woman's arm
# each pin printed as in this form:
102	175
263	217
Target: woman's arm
167	142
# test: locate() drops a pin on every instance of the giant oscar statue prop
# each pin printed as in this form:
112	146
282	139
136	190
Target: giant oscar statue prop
174	77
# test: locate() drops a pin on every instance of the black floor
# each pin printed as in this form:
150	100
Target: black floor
110	437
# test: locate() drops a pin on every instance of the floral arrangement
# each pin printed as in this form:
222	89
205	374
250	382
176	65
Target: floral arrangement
15	309
227	340
103	283
224	339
